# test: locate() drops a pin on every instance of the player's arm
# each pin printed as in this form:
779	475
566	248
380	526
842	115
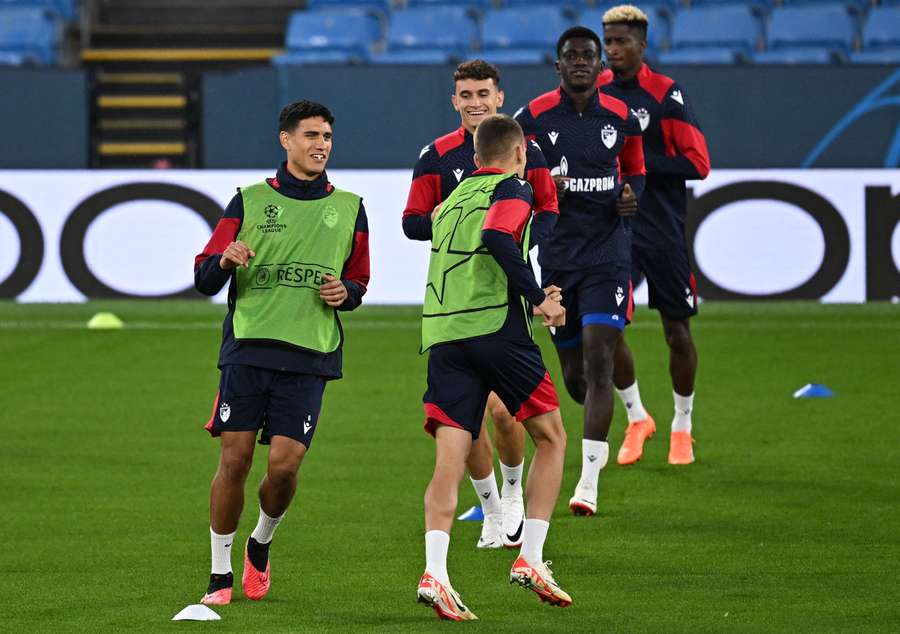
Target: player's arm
685	146
347	293
632	169
210	276
424	196
546	207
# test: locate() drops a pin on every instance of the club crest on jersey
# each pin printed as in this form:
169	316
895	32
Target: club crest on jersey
458	173
224	412
609	135
330	216
677	96
643	117
620	296
553	136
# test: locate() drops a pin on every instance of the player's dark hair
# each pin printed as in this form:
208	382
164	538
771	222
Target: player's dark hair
293	113
574	32
495	138
477	69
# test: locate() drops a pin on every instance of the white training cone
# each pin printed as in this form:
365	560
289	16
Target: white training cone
196	612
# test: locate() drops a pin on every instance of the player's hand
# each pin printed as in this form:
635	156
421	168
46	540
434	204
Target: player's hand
553	312
236	254
553	292
562	185
333	292
435	211
626	203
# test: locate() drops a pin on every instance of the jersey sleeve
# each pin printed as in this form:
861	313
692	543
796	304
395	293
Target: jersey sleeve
424	195
538	174
685	145
631	159
355	275
510	208
526	121
209	277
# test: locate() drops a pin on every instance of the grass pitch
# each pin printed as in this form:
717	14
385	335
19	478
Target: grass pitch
788	521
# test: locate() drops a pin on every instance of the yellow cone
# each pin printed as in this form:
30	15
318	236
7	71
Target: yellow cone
104	321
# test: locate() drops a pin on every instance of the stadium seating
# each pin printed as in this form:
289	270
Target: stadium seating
312	57
28	35
796	55
734	27
350	32
449	29
66	9
657	34
706	55
469	4
380	5
412	57
882	29
803	29
512	29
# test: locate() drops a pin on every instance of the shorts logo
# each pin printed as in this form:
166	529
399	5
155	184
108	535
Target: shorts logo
608	135
307	424
620	296
643	117
272	213
224	412
330	216
689	297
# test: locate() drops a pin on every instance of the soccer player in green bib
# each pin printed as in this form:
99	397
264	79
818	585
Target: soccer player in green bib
476	329
294	251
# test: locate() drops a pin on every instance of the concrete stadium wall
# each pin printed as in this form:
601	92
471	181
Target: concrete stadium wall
753	117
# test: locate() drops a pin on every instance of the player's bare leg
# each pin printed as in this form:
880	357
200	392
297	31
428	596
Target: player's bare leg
226	501
452	447
481	471
595	374
683	369
542	491
641	425
509	435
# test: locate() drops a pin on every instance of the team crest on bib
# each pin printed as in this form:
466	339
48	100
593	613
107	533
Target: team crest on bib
224	412
608	135
643	117
330	216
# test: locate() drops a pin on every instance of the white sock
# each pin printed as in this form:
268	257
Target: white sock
221	552
488	494
683	407
631	399
533	536
594	454
265	527
512	479
436	545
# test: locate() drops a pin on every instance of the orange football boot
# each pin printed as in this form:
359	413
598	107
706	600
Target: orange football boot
539	580
218	593
443	599
681	450
636	434
255	583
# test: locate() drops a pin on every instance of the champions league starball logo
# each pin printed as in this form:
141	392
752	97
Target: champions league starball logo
272	213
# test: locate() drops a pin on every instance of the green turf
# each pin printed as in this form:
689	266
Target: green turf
790	519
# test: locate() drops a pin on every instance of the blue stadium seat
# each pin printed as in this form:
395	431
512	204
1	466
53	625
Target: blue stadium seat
571	5
469	4
657	32
379	5
32	33
882	29
734	27
513	57
699	56
66	9
412	56
515	29
373	18
880	56
307	58
795	56
449	29
349	32
826	26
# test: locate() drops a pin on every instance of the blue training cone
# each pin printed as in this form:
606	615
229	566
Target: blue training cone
813	390
474	514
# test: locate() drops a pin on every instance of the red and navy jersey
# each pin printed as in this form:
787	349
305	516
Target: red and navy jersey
209	278
597	149
674	151
443	164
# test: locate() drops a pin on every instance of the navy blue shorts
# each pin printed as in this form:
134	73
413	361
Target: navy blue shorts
670	283
278	403
599	295
462	374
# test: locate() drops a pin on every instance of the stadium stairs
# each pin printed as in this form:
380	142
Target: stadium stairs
145	59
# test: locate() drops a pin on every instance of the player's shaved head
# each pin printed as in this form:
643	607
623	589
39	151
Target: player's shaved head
627	15
496	139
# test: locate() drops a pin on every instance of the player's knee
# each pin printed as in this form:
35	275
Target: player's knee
598	366
282	473
551	434
575	384
235	465
499	414
678	338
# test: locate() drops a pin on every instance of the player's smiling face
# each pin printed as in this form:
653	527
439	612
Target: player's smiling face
579	63
624	48
476	99
308	146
